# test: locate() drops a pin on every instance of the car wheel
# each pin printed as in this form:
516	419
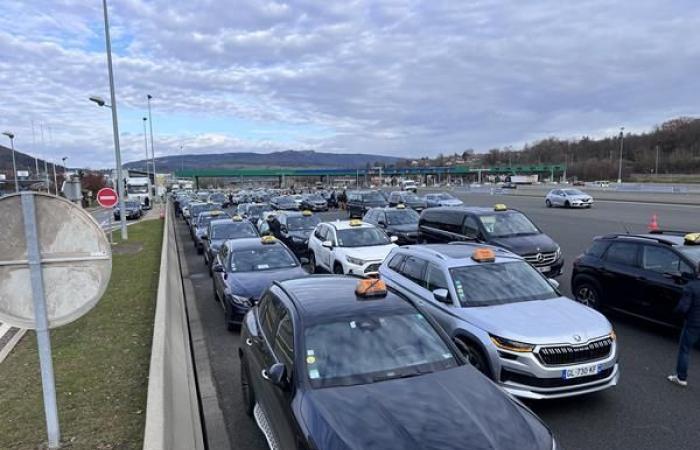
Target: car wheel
567	204
312	263
247	389
548	203
587	293
228	316
338	269
474	356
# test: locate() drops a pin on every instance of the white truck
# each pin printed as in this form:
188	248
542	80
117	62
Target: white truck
523	179
409	185
137	190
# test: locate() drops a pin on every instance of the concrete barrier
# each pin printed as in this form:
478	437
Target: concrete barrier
173	419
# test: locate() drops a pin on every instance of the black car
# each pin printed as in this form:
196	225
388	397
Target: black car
314	202
337	363
295	229
407	198
400	221
253	211
359	202
244	268
133	210
507	228
222	230
639	274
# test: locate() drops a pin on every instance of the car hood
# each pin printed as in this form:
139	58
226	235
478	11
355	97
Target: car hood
453	202
253	284
408	228
371	253
452	409
579	197
525	245
554	321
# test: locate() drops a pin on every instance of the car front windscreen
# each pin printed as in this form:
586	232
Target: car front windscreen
302	223
362	237
445	197
261	258
508	224
392	345
372	197
489	284
692	252
406	217
233	230
573	192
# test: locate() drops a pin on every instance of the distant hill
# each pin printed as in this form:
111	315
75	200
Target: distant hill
24	162
287	158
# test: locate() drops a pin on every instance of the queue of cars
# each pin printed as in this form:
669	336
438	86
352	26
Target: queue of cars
464	317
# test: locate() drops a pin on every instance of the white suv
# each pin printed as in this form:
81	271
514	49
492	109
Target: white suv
348	247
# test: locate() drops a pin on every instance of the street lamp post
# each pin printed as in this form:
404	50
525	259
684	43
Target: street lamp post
11	135
115	124
153	152
622	143
148	175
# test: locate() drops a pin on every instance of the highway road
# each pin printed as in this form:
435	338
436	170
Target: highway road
643	412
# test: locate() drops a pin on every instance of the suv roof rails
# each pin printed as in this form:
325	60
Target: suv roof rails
660	240
424	249
670	232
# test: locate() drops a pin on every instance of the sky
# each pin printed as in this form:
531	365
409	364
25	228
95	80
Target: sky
404	78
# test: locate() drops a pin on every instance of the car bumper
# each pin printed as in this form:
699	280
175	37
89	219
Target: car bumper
580	204
524	376
237	312
368	268
552	270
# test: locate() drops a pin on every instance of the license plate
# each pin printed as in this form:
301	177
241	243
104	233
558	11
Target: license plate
578	372
544	269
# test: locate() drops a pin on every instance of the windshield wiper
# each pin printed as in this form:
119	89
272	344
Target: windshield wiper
396	376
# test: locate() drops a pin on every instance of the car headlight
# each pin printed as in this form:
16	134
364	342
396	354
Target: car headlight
557	253
510	345
554	443
239	300
355	261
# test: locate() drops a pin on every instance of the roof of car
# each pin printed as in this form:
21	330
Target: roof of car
478	210
345	224
456	253
216	222
320	297
251	243
664	238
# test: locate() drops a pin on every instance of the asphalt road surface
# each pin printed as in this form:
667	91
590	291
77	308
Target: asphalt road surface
643	412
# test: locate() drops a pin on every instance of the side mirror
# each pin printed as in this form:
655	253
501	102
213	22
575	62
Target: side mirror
218	268
554	283
442	295
327	244
276	374
394	238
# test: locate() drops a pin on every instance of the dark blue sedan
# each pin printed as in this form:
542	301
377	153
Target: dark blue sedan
244	268
337	363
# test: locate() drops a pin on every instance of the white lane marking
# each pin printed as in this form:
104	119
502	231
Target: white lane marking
11	344
4	328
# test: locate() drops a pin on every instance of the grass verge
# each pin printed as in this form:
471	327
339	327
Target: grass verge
100	361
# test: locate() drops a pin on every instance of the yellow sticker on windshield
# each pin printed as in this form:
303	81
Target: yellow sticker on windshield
310	359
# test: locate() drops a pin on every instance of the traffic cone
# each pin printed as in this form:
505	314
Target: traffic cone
654	224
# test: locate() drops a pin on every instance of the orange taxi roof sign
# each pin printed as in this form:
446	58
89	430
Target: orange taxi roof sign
370	287
484	255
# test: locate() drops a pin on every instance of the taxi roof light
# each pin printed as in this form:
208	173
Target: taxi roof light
237	218
500	207
484	255
355	222
306	212
268	240
370	287
692	239
400	206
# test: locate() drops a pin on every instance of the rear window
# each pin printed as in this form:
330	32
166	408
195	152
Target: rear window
597	249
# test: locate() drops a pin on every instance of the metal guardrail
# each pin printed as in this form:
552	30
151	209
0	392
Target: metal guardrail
173	419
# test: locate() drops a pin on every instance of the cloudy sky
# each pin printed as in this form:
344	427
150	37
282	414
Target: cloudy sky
395	77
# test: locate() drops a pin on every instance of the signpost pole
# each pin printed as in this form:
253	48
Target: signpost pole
111	239
42	323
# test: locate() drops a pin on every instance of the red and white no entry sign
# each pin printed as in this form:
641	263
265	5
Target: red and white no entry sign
107	197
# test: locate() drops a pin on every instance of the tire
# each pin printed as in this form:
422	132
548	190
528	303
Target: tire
567	204
312	263
247	392
200	250
228	316
338	269
474	355
548	203
587	292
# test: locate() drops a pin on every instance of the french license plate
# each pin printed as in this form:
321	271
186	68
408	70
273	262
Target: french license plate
578	372
544	269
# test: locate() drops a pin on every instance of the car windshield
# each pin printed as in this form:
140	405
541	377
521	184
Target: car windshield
131	204
573	192
511	223
497	284
411	198
372	197
233	230
392	345
362	237
257	210
262	258
445	196
302	223
405	217
692	252
136	189
204	219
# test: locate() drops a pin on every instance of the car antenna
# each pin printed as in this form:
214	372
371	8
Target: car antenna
625	227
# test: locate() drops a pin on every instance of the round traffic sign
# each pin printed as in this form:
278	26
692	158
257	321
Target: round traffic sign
107	197
75	260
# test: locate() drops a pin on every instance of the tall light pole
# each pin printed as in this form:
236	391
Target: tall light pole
153	152
148	175
11	135
115	124
622	143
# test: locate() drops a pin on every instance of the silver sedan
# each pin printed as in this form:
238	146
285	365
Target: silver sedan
568	198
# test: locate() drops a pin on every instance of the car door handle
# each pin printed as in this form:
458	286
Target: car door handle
249	342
